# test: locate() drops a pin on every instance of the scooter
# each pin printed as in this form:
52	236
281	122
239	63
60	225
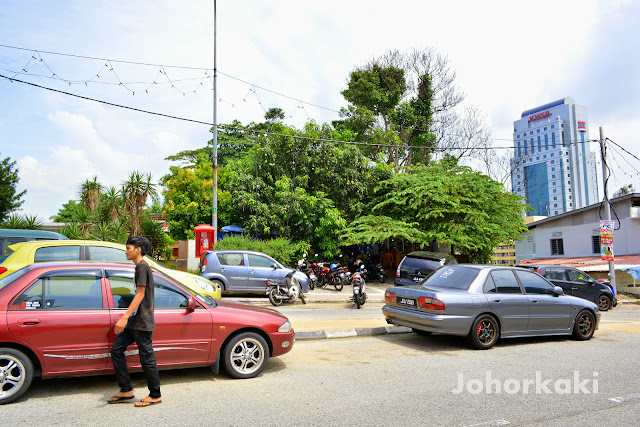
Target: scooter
359	286
279	293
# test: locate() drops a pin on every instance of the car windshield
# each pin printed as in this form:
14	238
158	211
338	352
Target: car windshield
451	277
13	276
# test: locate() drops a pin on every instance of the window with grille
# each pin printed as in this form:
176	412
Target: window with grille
595	242
557	247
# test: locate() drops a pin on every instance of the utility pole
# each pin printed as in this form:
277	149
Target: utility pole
214	214
607	206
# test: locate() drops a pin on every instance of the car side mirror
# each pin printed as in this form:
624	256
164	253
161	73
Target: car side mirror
274	266
557	290
191	305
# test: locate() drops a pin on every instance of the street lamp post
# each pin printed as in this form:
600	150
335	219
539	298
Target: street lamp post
214	214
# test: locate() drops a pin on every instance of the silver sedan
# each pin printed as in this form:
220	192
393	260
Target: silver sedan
485	303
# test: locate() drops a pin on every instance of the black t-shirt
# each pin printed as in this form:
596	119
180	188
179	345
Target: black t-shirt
143	320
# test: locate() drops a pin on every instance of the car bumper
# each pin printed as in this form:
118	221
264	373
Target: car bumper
437	323
282	342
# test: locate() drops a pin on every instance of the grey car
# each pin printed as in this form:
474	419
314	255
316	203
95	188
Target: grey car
485	303
245	271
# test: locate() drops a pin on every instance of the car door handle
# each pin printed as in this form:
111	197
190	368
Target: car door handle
534	300
496	299
574	288
28	322
223	269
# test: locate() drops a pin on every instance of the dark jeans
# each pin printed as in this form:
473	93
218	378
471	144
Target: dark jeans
147	360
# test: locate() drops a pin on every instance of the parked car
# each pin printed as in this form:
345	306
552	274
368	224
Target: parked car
246	271
93	250
10	236
38	337
485	303
577	283
416	266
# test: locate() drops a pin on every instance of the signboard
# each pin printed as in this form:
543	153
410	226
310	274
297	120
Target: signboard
539	116
606	240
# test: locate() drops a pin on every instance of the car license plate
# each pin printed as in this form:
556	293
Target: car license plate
409	302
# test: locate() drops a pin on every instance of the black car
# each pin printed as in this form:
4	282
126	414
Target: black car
577	283
416	266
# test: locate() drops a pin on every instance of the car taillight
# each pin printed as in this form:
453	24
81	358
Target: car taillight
389	297
2	270
398	272
430	303
538	270
203	261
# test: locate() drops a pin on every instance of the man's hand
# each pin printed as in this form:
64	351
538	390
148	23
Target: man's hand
120	325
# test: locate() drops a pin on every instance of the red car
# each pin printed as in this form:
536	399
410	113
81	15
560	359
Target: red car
58	319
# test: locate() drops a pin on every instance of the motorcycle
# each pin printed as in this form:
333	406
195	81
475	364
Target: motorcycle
375	271
279	293
337	276
359	286
303	266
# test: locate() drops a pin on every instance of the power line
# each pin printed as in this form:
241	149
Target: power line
622	148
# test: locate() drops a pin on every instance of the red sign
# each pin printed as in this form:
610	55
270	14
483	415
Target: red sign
539	116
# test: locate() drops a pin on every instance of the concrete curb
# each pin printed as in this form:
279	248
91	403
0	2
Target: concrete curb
351	332
266	303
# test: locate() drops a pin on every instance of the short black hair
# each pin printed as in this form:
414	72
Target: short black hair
140	242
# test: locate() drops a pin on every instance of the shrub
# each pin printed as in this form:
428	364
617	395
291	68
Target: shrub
281	249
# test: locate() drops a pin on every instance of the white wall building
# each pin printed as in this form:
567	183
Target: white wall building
555	165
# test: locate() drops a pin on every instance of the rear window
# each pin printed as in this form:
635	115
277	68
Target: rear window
419	265
5	250
57	253
451	277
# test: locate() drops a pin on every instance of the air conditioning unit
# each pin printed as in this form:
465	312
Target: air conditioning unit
634	212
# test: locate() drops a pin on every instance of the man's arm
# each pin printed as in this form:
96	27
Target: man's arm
135	303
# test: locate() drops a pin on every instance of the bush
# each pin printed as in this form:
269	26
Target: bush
281	249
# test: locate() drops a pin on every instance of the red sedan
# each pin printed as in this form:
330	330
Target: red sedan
58	318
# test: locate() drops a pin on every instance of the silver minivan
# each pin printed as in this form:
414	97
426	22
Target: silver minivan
245	271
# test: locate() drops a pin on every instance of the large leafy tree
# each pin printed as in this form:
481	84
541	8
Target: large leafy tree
9	196
444	203
188	197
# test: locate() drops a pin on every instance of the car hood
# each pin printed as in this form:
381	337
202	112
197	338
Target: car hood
249	307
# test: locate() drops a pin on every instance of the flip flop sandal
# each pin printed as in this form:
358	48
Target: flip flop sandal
144	403
120	399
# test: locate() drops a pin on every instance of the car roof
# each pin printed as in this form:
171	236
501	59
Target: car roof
82	264
429	255
71	243
36	234
238	250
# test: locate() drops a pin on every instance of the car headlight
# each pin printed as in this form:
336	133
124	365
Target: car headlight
286	327
206	286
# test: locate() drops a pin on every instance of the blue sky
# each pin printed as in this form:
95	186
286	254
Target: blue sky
508	56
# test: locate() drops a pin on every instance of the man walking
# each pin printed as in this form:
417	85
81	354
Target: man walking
137	325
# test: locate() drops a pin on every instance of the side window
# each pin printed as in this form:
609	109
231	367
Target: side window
506	282
577	276
166	296
99	253
122	291
534	284
57	253
489	286
62	293
259	261
231	259
31	299
555	274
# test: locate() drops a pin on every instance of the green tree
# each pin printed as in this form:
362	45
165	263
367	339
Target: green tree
444	203
9	197
188	197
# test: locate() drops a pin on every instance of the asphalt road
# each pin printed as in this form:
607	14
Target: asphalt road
386	380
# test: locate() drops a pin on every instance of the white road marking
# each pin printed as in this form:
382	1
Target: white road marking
625	398
492	423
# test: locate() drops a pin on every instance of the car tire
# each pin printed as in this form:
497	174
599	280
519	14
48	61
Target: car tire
245	355
16	373
219	284
584	326
604	303
484	332
419	332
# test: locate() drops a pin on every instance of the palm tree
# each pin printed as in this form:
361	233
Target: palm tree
90	194
136	190
112	204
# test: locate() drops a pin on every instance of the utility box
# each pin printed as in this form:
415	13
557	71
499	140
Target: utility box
204	238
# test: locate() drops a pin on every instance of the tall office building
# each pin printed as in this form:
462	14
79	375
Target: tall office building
555	166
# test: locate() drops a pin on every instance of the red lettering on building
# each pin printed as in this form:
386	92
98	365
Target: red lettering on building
539	116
